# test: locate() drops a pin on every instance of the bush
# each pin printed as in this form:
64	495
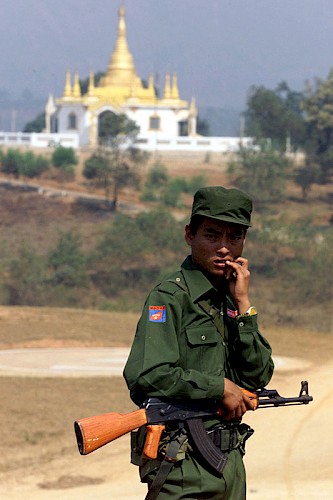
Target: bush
68	262
172	193
33	165
164	233
11	163
62	157
157	176
26	278
196	182
27	164
261	174
94	165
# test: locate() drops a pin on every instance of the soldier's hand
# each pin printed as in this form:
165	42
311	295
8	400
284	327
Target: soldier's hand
238	276
234	402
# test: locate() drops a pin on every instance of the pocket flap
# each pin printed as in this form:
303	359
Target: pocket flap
202	335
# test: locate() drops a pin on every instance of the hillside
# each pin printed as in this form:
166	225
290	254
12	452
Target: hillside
36	218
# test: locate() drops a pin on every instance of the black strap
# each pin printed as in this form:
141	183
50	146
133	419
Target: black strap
166	465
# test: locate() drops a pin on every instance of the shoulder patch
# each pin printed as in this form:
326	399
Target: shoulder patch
157	314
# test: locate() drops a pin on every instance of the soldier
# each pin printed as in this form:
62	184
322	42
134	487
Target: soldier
198	338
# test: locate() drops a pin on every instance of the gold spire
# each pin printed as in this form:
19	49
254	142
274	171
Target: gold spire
76	86
68	87
167	89
174	90
151	82
91	86
121	70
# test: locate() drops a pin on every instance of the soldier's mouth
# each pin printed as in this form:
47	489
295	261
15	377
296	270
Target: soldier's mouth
221	263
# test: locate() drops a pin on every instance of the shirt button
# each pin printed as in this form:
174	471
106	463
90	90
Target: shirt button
203	337
177	279
241	323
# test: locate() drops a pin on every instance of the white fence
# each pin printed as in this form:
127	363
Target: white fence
199	144
39	140
149	143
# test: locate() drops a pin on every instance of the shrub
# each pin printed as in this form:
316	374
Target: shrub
172	192
68	262
62	157
196	182
33	165
26	278
157	176
11	163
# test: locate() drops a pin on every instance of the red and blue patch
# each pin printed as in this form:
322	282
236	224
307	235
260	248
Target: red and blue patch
157	314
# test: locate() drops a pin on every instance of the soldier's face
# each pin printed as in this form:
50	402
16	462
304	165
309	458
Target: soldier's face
213	244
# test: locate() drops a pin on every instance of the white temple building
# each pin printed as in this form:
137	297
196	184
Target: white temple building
121	90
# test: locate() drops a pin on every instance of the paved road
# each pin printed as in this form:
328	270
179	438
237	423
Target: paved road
84	361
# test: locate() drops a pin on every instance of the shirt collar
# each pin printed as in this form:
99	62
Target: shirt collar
197	283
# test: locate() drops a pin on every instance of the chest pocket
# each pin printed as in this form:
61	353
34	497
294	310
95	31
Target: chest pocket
205	350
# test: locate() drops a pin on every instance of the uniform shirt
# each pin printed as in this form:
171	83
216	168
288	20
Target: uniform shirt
189	338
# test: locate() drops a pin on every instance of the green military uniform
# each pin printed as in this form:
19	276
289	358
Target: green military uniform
189	338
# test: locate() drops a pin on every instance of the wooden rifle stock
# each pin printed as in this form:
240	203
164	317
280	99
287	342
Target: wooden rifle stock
94	432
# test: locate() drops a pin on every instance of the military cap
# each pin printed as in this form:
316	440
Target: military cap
229	205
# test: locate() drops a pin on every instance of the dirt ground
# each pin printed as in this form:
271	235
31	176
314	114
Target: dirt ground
289	457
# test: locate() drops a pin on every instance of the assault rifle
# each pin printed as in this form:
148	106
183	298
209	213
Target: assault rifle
94	432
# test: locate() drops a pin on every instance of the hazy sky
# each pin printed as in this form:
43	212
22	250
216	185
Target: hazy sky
218	48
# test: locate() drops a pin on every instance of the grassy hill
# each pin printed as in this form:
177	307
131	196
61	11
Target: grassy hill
288	246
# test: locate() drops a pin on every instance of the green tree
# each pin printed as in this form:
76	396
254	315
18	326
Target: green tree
26	278
318	108
115	130
67	262
202	126
115	164
157	178
62	157
275	115
64	160
84	84
306	176
36	125
119	257
11	163
134	252
32	165
171	195
262	174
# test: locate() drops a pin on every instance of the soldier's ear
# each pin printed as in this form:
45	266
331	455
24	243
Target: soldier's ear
188	236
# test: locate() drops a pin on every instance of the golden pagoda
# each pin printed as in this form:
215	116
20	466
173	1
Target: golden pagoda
120	90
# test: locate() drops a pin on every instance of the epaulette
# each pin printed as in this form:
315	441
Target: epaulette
173	284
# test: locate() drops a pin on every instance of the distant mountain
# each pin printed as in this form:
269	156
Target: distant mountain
222	121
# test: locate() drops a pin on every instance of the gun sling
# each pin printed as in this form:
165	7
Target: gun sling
166	466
